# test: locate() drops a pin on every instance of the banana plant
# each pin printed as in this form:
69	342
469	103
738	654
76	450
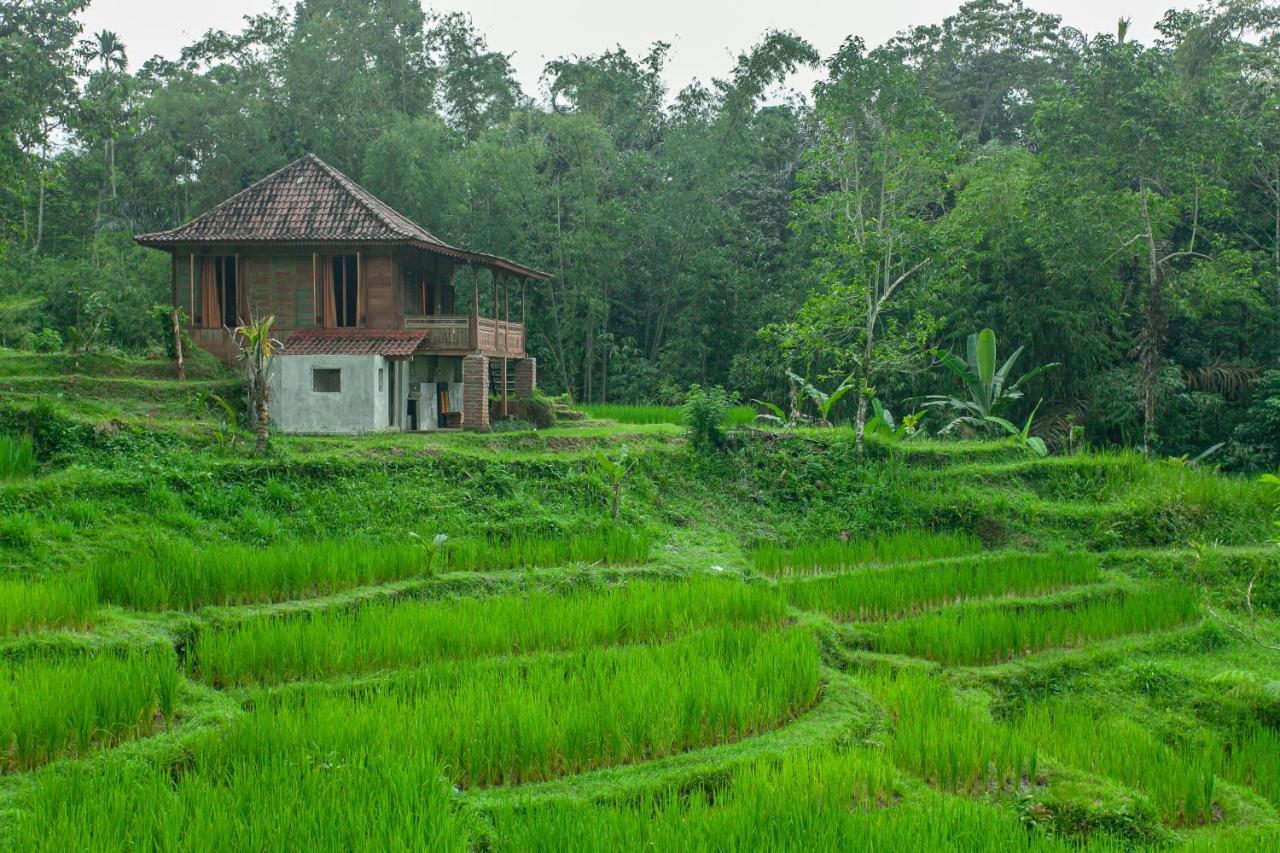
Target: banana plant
825	403
882	423
1022	434
990	394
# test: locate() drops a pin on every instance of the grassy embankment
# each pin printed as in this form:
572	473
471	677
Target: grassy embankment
779	646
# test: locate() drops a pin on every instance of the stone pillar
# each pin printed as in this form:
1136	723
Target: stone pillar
526	378
475	393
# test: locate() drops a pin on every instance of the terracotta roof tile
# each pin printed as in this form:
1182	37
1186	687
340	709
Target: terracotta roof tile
309	201
395	343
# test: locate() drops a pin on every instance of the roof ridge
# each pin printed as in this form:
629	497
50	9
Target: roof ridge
226	201
365	197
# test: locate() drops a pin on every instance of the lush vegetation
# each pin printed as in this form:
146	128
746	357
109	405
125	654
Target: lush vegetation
847	553
404	634
900	590
753	636
1097	202
165	574
986	563
986	633
59	707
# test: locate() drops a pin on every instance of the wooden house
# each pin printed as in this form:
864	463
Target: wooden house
373	337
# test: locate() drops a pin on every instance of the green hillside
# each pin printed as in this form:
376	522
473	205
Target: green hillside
447	641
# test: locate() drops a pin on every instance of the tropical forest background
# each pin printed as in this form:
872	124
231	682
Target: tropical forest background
1112	207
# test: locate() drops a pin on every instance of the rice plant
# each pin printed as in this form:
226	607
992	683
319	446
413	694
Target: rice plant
879	593
173	575
33	605
648	414
413	633
805	801
947	744
1252	758
987	634
299	798
825	555
513	720
1180	782
610	545
17	456
68	707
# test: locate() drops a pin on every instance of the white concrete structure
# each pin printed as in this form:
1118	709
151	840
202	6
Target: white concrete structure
331	393
335	394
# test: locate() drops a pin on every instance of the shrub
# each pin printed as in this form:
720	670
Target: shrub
1260	427
511	425
17	456
45	340
705	412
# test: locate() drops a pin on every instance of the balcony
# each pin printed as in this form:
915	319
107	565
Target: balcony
463	334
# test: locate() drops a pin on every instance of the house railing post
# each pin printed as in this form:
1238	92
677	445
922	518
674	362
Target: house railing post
473	322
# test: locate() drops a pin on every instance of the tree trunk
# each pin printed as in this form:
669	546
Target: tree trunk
860	424
177	345
35	246
262	427
1151	339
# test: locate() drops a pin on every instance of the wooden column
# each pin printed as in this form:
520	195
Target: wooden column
473	322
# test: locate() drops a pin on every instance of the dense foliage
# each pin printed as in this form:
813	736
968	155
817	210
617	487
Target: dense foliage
1109	205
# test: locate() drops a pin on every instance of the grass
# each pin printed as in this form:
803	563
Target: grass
949	745
64	603
824	555
175	575
1180	782
610	545
985	634
411	633
516	720
1252	757
298	798
648	414
812	800
880	593
17	456
69	707
664	713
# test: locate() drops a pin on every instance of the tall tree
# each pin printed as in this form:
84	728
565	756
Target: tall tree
871	189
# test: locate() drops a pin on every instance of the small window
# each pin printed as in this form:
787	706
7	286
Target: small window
379	378
326	379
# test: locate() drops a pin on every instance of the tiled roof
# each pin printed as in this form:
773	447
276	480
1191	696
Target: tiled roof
396	343
309	201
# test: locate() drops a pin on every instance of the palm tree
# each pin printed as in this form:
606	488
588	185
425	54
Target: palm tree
108	51
257	349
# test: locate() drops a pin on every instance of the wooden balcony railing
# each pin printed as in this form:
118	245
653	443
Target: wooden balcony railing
469	333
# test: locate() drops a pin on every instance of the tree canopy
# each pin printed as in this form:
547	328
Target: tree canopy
1110	206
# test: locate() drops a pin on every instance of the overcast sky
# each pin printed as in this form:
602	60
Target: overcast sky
706	36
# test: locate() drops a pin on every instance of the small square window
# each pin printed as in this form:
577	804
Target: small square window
326	379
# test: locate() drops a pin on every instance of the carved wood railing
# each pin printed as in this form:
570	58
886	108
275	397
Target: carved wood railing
457	333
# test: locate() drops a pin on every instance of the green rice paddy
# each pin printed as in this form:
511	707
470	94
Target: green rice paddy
384	636
839	554
942	646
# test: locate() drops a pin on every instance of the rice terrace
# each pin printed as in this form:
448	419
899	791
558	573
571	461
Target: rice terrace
420	432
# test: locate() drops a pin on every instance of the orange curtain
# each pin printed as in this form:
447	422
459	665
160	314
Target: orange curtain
328	310
210	304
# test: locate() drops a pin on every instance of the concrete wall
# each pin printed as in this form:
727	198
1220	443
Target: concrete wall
361	406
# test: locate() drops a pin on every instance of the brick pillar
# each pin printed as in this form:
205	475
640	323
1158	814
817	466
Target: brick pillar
526	378
475	393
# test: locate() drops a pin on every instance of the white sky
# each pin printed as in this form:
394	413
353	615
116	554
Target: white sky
705	36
